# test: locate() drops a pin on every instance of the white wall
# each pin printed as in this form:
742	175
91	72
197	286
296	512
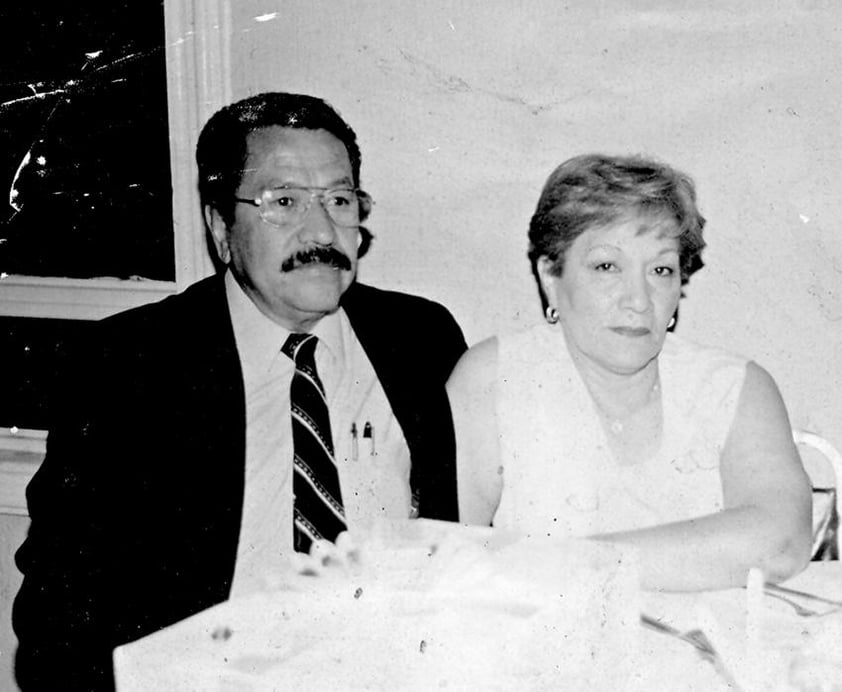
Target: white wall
463	109
12	532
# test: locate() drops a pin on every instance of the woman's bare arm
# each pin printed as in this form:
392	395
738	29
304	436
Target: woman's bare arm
766	520
472	392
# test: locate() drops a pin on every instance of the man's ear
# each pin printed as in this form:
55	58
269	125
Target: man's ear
219	233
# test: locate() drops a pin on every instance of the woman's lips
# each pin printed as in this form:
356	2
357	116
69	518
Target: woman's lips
631	331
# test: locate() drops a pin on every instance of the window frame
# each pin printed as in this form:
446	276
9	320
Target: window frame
197	51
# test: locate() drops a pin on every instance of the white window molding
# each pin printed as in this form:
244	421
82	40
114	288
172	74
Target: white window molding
198	40
21	452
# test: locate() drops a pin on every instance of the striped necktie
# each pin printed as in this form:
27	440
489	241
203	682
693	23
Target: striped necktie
318	511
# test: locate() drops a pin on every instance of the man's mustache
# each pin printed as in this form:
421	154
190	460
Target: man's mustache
322	255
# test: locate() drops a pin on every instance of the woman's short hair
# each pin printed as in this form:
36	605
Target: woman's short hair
597	190
222	150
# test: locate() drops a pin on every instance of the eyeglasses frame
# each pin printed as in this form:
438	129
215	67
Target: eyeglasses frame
363	199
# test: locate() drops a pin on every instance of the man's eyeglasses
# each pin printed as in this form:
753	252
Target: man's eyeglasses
288	206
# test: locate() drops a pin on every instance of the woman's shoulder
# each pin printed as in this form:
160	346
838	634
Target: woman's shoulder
477	365
529	345
690	356
681	347
484	358
760	391
704	378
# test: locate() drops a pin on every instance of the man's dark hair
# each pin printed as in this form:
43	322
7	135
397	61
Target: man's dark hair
222	150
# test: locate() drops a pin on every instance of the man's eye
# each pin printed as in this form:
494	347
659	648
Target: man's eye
283	201
604	266
341	199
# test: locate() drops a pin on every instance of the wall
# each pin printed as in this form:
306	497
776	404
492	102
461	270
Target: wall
19	457
464	108
12	532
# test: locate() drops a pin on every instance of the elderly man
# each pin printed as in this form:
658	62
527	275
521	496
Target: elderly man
200	441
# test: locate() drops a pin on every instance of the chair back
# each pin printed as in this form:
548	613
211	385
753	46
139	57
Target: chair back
827	503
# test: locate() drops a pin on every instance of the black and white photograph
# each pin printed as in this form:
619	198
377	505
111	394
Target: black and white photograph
452	345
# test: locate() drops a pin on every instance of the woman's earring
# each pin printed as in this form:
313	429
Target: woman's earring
672	323
551	314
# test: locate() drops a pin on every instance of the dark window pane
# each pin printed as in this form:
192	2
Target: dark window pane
84	152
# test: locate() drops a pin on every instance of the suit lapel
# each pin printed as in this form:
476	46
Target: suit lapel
366	310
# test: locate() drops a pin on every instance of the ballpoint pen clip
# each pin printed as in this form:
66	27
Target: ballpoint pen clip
354	447
368	433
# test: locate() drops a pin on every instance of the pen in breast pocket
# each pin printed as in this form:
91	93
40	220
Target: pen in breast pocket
368	433
354	448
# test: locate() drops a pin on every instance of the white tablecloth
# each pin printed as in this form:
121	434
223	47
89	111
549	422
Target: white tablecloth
767	647
770	648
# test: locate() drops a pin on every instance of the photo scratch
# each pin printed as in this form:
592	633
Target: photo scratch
440	79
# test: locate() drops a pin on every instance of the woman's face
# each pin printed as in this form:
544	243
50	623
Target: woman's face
618	290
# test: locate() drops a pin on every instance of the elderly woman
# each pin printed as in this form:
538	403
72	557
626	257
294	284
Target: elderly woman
600	423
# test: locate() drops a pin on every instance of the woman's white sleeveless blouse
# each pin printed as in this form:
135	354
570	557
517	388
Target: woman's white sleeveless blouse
559	476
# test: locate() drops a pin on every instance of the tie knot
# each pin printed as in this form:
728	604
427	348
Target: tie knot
301	348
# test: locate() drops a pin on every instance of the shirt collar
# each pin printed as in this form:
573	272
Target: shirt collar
259	339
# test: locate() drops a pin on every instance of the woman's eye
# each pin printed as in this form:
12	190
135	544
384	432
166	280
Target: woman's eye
664	271
604	266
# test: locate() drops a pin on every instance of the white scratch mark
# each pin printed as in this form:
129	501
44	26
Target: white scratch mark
41	160
450	24
14	430
41	95
4	275
13	192
431	150
93	54
266	17
804	219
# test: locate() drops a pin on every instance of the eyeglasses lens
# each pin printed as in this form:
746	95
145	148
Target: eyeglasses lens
289	206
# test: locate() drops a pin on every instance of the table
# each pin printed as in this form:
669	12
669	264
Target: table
760	648
766	646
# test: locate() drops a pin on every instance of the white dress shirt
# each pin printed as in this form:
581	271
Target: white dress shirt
371	451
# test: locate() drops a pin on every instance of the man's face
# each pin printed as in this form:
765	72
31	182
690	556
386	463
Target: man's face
290	273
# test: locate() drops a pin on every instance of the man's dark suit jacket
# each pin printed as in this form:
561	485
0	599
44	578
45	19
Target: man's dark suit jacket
136	508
